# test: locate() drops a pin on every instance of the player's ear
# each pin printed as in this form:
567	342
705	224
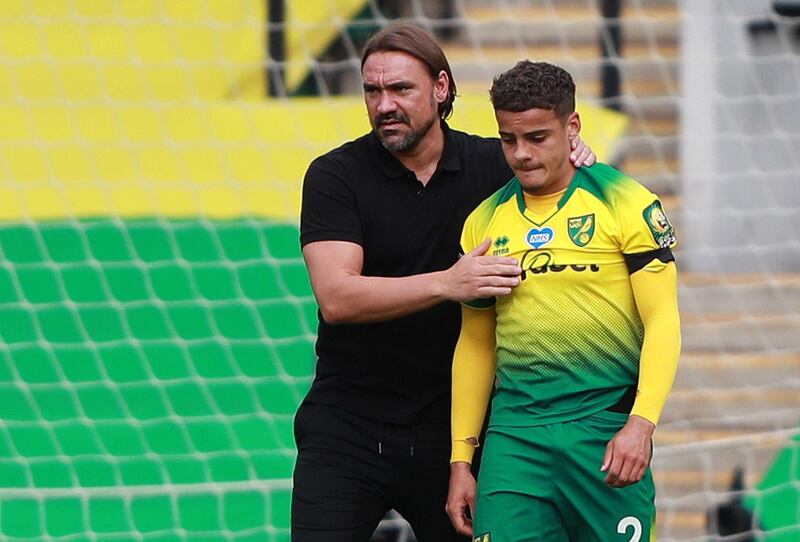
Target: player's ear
573	125
441	87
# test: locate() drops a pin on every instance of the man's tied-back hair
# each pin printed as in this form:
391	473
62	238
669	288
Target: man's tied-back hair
414	41
534	85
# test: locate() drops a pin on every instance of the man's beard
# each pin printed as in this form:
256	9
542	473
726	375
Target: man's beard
403	143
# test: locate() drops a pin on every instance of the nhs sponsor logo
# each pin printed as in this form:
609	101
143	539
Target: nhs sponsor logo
539	237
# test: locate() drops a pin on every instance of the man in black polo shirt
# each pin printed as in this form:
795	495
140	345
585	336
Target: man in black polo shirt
380	226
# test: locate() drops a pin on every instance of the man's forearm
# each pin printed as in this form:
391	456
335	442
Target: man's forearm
360	299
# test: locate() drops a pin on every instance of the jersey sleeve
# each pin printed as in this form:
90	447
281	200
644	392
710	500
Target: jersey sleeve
646	234
656	295
473	380
329	211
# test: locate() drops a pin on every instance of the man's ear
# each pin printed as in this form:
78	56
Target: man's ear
573	125
441	87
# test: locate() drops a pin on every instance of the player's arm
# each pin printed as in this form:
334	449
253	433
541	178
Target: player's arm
473	379
655	291
346	296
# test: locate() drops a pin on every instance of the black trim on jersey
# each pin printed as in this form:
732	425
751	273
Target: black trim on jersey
639	260
625	404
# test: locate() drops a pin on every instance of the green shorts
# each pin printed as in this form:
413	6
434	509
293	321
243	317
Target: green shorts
544	484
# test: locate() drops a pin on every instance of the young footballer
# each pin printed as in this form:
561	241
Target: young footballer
583	352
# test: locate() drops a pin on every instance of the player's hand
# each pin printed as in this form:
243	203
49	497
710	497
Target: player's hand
476	275
581	154
628	453
461	497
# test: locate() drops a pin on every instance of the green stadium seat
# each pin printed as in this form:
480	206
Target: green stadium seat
152	513
138	470
55	404
121	439
228	468
16	325
215	283
185	470
243	510
16	404
188	399
209	436
260	281
144	402
83	284
107	242
35	365
123	362
167	360
195	243
13	474
280	320
171	282
64	244
77	439
21	518
235	321
199	512
240	242
39	284
60	324
232	398
8	291
51	473
151	241
190	321
211	359
64	516
102	324
78	363
20	245
148	322
255	358
32	440
283	241
275	465
127	282
166	437
100	402
108	515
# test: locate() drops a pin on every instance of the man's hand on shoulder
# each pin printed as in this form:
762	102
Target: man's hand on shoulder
476	275
628	453
581	154
461	497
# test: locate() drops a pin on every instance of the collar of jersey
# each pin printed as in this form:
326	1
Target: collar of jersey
577	178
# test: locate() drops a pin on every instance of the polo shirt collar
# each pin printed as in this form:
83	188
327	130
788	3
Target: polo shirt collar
391	166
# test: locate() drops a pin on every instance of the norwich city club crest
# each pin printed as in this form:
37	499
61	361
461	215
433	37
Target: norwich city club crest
581	229
483	538
659	225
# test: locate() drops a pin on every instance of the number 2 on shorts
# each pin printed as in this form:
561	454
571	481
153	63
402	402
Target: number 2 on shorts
630	521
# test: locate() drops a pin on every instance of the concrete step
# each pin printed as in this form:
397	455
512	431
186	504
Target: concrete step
739	294
741	333
737	370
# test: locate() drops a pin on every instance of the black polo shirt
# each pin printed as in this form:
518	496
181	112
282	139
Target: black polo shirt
396	371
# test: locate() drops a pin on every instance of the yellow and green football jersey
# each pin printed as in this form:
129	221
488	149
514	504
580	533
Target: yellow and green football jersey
569	336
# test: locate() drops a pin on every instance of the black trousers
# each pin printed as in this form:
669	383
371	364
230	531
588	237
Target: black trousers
351	470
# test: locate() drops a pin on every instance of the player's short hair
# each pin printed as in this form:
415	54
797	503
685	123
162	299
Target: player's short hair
410	39
534	85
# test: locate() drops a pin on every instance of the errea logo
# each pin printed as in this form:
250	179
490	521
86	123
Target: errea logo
500	245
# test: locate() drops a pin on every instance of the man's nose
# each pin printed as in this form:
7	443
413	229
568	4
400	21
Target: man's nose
386	103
